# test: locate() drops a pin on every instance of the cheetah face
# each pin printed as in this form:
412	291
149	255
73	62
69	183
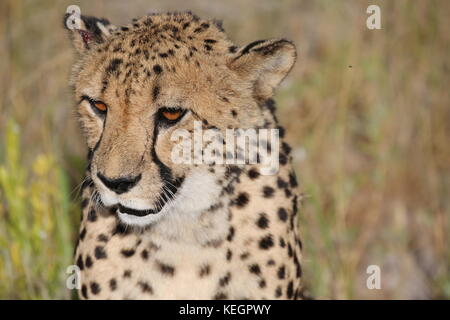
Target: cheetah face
137	85
131	140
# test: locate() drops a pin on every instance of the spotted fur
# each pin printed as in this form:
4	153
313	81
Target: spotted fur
224	232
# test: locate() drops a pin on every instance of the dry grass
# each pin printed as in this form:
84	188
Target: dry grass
367	112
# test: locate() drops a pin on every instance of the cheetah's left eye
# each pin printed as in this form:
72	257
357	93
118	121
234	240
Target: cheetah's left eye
171	115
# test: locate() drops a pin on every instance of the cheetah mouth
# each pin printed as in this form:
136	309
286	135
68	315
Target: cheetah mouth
135	212
163	199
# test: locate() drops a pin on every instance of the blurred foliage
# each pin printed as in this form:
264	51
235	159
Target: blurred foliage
367	113
36	231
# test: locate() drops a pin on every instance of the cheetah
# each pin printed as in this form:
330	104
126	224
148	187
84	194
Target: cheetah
154	229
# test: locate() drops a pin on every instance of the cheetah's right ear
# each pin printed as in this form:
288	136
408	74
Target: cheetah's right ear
264	64
85	31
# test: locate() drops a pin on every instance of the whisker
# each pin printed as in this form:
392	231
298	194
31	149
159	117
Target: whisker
168	190
91	198
170	198
77	189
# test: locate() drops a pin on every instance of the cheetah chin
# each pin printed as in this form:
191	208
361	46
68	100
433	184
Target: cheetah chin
197	183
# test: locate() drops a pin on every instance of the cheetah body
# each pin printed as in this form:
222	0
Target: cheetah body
229	232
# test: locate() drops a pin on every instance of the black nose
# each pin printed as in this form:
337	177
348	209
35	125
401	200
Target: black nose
119	185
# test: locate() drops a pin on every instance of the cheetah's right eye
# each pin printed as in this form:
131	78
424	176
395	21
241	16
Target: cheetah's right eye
98	106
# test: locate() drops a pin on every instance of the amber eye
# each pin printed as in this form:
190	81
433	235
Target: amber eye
171	114
100	106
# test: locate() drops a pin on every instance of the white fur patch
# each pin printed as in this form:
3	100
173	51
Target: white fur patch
198	192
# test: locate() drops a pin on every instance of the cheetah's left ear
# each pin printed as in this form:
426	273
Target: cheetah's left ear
265	63
86	31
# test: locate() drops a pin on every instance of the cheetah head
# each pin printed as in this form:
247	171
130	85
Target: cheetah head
135	85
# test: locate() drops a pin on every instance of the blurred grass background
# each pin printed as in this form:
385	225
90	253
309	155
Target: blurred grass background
367	112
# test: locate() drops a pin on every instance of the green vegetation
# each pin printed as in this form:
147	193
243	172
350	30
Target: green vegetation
36	229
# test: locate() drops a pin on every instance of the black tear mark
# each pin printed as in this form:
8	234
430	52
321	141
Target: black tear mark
169	184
